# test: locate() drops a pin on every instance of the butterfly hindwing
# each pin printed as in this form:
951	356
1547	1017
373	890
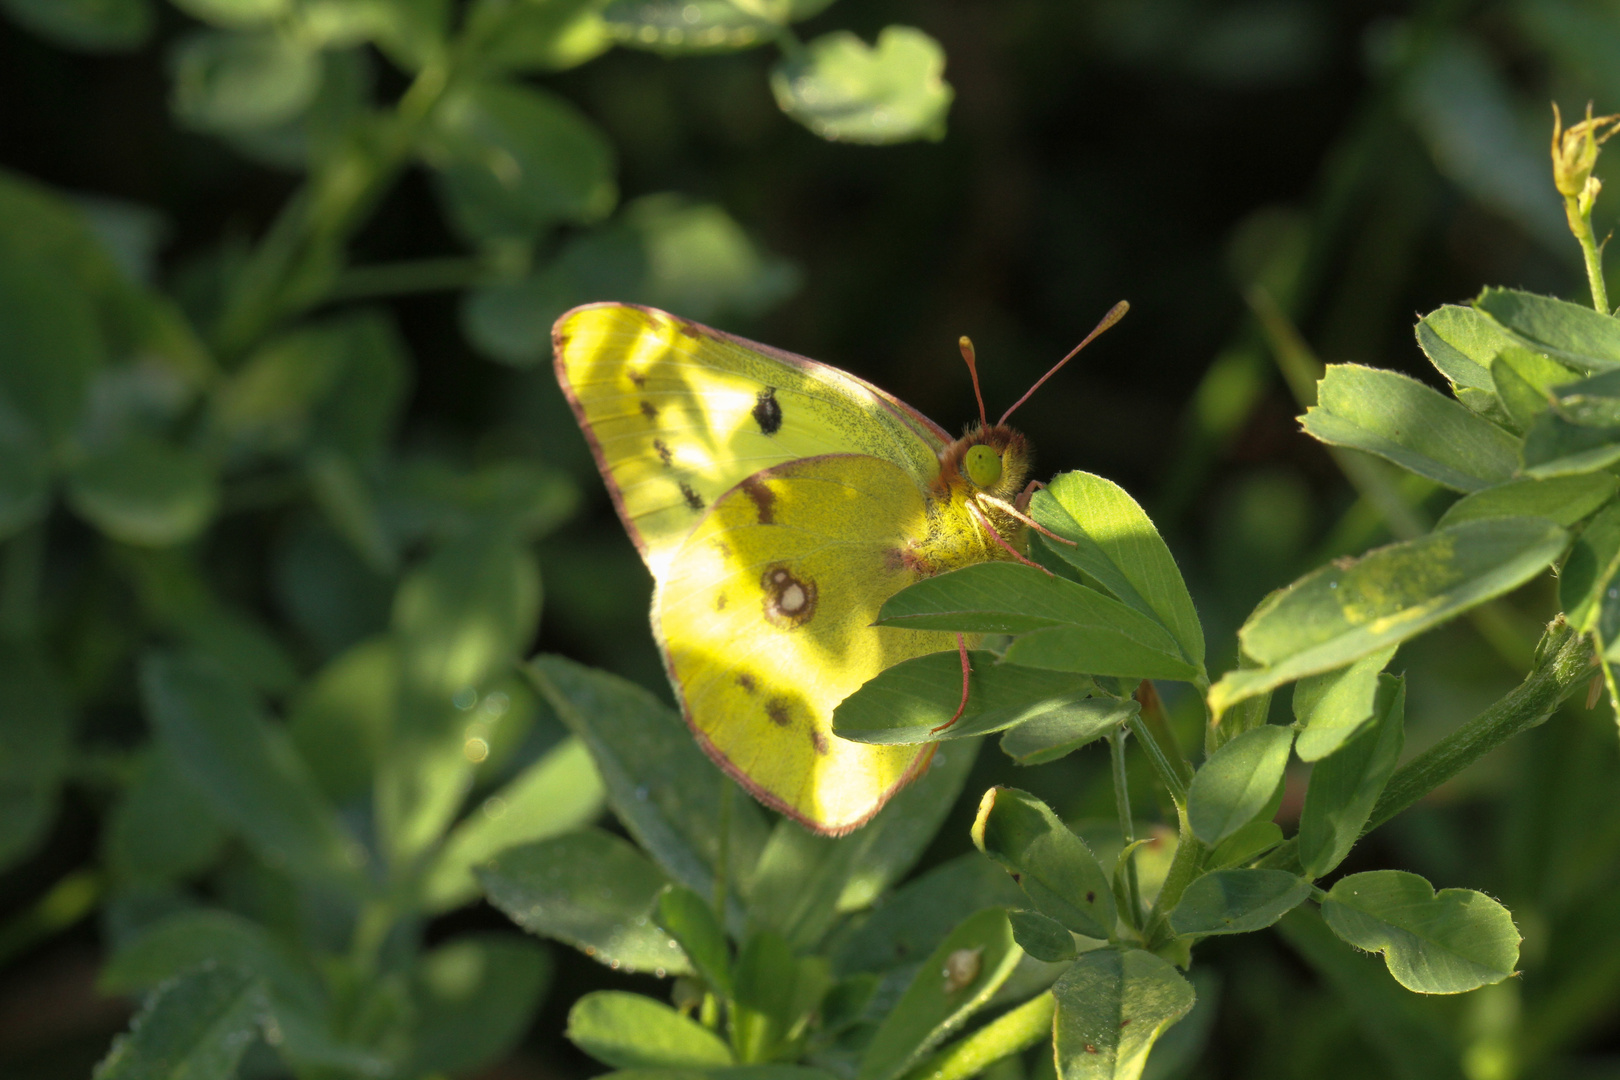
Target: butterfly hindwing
678	414
765	614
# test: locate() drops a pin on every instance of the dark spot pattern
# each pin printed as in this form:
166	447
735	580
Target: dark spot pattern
650	411
1090	1049
764	499
778	710
693	499
637	377
818	740
1018	879
746	681
663	453
1091	897
789	601
768	411
720	602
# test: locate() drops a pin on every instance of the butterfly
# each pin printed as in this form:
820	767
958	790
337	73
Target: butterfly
778	502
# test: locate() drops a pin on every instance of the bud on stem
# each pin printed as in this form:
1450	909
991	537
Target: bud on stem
1574	154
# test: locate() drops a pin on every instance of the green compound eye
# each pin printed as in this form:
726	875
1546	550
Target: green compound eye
983	465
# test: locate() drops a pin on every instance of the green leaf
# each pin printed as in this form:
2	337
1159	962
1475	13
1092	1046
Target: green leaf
1419	429
1345	786
846	91
1332	708
516	160
179	943
161	828
1237	782
86	25
1525	382
25	474
1112	1006
1044	938
558	793
536	35
913	921
776	995
1461	342
1589	402
1434	943
1077	629
630	1031
591	890
734	1072
143	491
225	745
956	980
659	784
1237	901
1585	339
1254	839
1063	731
340	719
1342	612
36	731
1593	561
196	1027
1555	447
475	998
242	81
1117	546
1050	863
680	27
1564	500
689	919
905	703
235	12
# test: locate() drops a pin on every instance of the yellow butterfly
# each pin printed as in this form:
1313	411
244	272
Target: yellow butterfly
778	503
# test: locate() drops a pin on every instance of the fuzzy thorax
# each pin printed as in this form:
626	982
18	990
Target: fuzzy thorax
959	508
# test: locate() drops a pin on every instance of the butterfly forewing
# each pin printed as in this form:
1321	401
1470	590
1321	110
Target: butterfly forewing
765	615
678	415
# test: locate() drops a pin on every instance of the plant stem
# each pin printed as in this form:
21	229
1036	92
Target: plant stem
1188	861
1581	225
1008	1034
1127	828
1565	664
1167	773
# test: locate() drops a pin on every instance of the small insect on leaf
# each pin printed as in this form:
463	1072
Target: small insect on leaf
961	969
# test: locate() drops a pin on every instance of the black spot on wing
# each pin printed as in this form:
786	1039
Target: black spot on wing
650	411
818	740
764	499
768	411
663	453
779	711
693	499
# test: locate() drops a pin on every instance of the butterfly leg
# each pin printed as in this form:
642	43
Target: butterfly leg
1018	512
967	669
1002	540
1030	489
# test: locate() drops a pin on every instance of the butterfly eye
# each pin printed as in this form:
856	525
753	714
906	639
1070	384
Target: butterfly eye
982	464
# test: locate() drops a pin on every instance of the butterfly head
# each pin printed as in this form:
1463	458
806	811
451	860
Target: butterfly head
988	460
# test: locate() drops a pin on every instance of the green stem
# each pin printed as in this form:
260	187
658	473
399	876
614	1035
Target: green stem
1167	773
1008	1034
1127	827
1581	225
1187	864
1564	667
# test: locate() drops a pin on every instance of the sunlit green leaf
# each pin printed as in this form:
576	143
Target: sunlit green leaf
1575	334
144	492
1556	447
776	993
956	980
1434	943
1050	863
1236	782
1564	500
1593	561
631	1031
1399	418
225	82
475	998
541	35
847	91
516	160
676	27
556	794
86	25
1525	381
196	1027
1117	546
1112	1006
1237	901
1461	342
1345	786
1342	612
1333	707
689	919
905	703
591	890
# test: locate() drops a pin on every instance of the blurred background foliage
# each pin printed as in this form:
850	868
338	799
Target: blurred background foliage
1268	182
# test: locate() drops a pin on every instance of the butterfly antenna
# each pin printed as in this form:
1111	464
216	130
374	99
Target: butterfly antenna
973	370
1115	313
